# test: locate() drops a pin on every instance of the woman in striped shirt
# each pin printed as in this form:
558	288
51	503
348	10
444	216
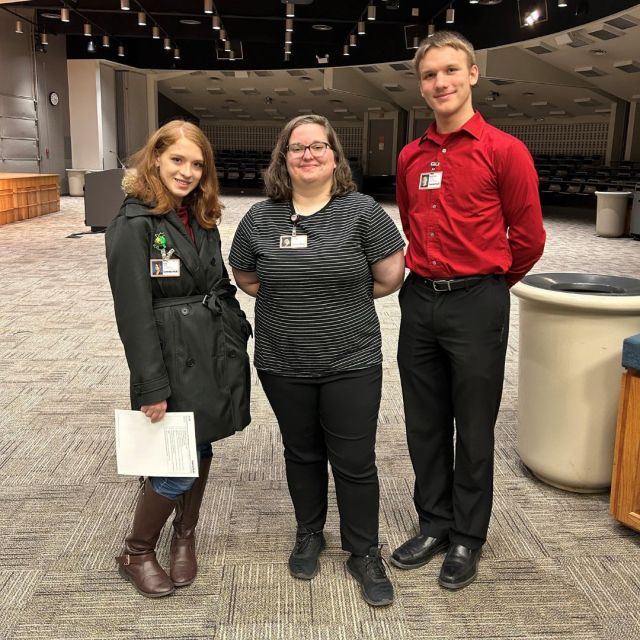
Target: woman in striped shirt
315	255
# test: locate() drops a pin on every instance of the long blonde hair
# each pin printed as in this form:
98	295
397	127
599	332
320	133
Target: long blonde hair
145	184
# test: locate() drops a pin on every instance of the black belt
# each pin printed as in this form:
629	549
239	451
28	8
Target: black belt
444	286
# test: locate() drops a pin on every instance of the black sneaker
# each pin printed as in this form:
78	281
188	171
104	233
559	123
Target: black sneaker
303	561
369	571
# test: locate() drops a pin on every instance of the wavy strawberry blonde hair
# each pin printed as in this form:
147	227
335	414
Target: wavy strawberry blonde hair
145	184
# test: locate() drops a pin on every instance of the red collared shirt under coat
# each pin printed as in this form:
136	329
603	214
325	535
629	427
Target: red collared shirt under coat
486	215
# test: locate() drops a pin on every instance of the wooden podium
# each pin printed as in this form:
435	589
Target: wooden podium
625	481
28	195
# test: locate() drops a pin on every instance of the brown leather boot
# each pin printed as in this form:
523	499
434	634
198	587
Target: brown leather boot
183	563
138	562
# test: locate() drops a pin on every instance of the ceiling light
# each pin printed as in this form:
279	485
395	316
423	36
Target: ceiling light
562	3
121	49
44	39
64	14
155	33
474	1
287	56
208	6
353	40
371	12
223	35
345	50
227	46
416	44
287	47
19	26
105	42
431	29
322	27
288	37
167	44
232	57
215	23
450	15
290	10
189	21
124	5
532	17
289	25
86	29
176	54
361	27
142	19
91	48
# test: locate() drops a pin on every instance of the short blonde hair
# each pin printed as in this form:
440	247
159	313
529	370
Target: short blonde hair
277	182
145	184
440	39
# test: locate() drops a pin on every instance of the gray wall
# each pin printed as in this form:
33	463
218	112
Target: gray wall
34	135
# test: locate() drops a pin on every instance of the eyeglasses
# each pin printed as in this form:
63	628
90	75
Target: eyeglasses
317	149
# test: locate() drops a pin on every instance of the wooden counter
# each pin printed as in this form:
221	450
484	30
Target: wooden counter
28	195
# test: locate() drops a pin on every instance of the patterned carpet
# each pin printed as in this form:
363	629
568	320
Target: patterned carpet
555	566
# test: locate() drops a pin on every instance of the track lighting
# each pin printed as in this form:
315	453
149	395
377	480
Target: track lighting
345	50
176	54
121	51
223	35
450	15
105	42
19	26
353	40
289	24
371	12
288	37
208	6
287	56
416	42
361	27
287	47
44	38
86	29
227	46
167	44
124	6
142	19
64	14
155	32
431	29
290	10
215	23
232	55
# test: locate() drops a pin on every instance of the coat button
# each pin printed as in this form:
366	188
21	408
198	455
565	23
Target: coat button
190	362
185	311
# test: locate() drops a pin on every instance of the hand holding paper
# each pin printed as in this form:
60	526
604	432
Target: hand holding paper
165	448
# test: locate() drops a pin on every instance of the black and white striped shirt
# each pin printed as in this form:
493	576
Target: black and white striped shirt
314	311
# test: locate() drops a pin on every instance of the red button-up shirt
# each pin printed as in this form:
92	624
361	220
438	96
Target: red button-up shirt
484	218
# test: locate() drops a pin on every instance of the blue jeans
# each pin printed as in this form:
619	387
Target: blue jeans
174	487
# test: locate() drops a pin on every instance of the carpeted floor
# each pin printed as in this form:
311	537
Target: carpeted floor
555	566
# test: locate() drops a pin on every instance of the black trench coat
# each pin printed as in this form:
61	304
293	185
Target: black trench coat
184	337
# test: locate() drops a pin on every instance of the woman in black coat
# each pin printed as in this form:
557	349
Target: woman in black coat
183	332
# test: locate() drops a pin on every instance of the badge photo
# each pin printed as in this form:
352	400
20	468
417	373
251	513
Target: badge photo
159	268
299	241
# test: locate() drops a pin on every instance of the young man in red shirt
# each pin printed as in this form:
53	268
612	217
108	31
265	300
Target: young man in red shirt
470	209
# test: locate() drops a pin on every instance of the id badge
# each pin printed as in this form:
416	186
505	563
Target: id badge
293	242
164	268
431	180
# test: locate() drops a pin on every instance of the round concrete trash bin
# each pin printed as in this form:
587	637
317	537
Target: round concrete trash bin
76	181
611	213
572	326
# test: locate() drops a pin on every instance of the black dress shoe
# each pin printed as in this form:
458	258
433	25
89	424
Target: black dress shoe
417	551
460	567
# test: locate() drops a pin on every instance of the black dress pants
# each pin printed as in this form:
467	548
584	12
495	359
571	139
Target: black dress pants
331	419
451	355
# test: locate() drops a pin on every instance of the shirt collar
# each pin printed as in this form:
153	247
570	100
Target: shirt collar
473	126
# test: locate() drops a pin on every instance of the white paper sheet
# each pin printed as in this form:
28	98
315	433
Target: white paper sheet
165	448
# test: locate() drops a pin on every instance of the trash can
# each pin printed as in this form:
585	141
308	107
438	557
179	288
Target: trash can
611	213
76	181
572	327
634	226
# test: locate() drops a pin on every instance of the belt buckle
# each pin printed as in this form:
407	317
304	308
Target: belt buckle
438	283
205	300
